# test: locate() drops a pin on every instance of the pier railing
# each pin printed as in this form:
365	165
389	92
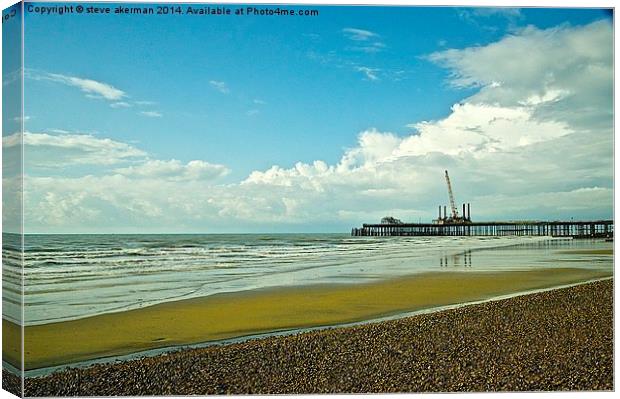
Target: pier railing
576	229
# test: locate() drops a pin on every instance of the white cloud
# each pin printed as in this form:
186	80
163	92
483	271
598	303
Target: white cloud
371	48
557	205
483	128
12	189
46	150
497	62
370	73
151	114
252	112
485	12
93	88
174	170
359	35
220	86
144	103
373	147
12	140
523	68
120	104
117	203
366	41
12	77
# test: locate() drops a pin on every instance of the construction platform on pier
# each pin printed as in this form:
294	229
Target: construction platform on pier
575	229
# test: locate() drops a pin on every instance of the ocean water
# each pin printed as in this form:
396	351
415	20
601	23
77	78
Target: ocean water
73	276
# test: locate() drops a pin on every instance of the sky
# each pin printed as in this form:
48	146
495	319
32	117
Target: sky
245	124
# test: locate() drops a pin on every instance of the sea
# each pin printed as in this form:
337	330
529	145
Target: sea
68	277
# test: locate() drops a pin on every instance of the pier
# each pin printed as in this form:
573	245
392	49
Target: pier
575	229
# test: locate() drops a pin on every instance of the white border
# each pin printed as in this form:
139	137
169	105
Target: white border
484	3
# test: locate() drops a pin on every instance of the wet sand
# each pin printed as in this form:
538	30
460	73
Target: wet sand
555	340
239	314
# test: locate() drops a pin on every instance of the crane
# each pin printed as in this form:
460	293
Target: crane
455	214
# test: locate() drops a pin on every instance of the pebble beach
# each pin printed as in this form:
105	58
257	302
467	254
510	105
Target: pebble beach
560	339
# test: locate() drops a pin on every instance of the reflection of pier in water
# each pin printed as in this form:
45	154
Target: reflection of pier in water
461	259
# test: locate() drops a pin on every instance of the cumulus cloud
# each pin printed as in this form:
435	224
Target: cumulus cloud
481	128
583	80
175	170
582	49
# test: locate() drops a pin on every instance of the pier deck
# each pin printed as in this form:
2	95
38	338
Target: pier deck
576	229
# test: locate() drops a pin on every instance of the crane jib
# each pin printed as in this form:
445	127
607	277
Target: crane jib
455	213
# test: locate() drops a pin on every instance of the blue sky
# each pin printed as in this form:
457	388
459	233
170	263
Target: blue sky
240	95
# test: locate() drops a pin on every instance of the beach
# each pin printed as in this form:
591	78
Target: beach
252	312
559	339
